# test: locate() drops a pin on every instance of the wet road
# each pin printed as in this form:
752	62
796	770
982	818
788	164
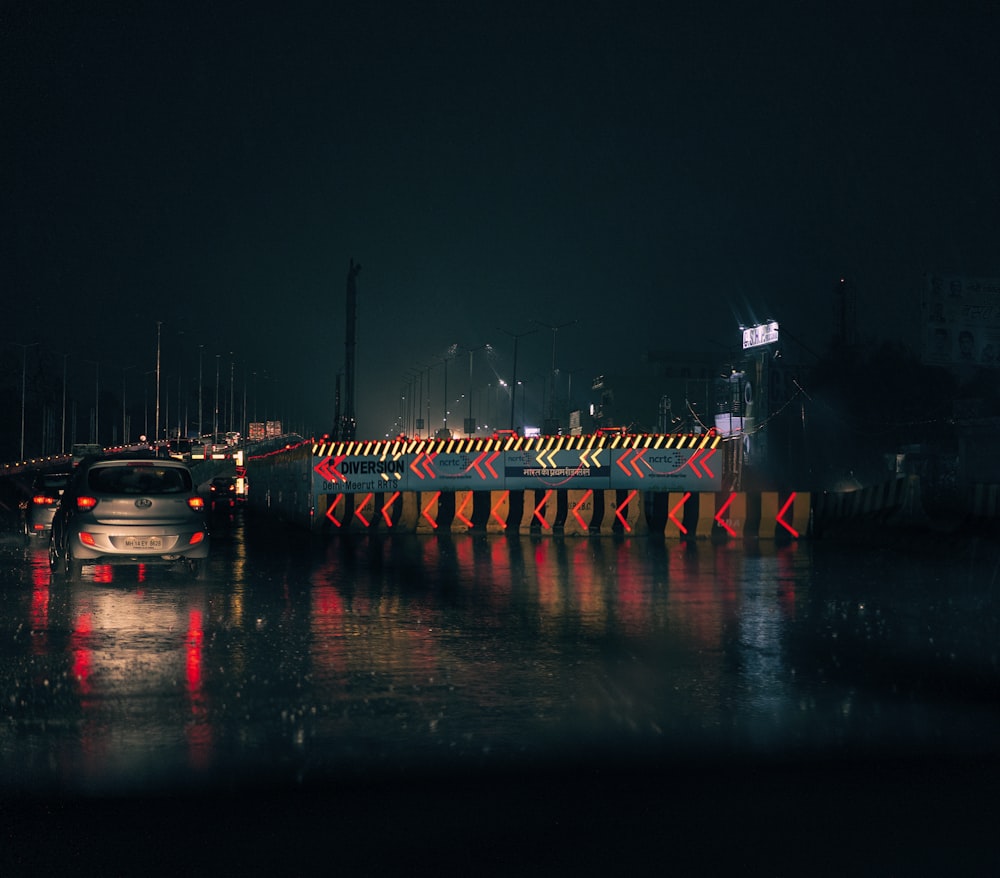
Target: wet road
673	687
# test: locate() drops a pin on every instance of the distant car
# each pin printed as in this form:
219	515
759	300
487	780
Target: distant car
179	449
222	492
80	450
46	490
129	509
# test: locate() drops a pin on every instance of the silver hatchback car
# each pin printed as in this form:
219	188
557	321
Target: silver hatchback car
133	509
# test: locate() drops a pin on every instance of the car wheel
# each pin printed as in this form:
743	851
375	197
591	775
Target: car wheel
53	558
71	566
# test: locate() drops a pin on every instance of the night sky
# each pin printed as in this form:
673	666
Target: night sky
657	172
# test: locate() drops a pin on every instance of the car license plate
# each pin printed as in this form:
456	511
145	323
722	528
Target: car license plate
143	543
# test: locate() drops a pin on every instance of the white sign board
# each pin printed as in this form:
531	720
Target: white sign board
765	333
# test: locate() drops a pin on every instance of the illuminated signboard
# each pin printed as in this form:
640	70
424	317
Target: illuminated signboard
764	333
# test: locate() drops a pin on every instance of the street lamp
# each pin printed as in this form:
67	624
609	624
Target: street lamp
470	426
145	403
97	398
215	420
62	447
513	378
555	329
201	425
24	372
156	437
125	408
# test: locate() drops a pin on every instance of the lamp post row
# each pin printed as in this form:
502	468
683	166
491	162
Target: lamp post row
124	399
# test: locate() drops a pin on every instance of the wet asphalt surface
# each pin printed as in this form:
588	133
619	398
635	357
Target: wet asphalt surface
505	706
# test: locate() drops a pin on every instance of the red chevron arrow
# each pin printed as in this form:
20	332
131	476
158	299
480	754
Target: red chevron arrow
780	517
637	455
684	500
621	462
413	465
386	507
493	511
430	455
329	512
488	464
538	509
576	513
721	512
461	509
358	514
624	505
428	458
692	461
430	503
327	468
704	462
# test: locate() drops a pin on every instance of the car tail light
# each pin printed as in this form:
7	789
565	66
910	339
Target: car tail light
86	503
42	500
196	503
87	539
196	538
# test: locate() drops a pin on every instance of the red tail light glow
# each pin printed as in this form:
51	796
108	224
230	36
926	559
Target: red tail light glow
86	503
87	539
196	538
196	503
42	500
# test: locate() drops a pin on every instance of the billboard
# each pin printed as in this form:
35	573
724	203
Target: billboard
960	321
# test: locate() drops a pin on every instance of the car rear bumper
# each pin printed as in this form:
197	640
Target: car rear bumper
145	544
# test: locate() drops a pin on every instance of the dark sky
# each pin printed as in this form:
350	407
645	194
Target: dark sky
657	172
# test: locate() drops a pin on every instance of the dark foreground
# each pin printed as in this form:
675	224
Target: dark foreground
857	817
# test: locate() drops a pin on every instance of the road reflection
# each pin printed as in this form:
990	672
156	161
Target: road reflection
296	656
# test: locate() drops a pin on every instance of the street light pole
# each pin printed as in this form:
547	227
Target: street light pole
201	425
24	384
97	396
555	328
156	422
62	447
513	379
469	427
125	408
215	420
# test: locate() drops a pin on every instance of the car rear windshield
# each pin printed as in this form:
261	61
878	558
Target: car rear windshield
54	482
139	479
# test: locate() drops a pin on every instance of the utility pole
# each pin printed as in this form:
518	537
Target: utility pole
156	419
513	381
555	328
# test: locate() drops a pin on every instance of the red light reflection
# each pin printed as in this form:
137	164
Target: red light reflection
79	644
